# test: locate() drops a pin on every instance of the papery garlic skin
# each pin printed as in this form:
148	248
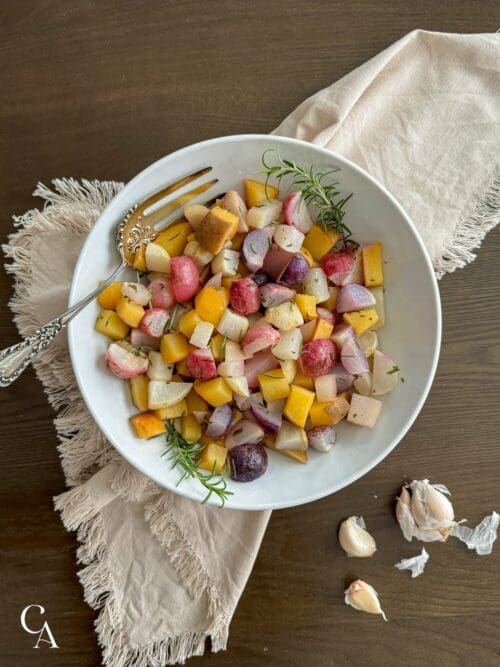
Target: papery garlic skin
424	512
363	597
354	539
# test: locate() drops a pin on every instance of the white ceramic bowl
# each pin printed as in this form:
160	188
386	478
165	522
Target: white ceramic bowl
411	335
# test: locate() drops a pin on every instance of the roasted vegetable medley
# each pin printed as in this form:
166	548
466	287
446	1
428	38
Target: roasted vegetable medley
251	327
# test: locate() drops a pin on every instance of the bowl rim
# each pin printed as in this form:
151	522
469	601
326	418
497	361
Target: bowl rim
232	503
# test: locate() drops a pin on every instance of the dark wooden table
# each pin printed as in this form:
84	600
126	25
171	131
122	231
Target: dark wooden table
100	89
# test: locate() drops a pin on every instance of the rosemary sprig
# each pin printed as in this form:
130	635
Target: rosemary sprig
183	454
315	190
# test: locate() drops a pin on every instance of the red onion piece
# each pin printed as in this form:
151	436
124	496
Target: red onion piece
344	379
354	297
244	432
215	281
219	421
296	270
342	333
276	261
270	419
259	363
322	438
353	358
256	247
272	294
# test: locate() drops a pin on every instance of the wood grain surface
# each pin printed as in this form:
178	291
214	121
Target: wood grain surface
100	89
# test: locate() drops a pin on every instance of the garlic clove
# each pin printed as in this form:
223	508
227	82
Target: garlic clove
363	597
424	513
354	539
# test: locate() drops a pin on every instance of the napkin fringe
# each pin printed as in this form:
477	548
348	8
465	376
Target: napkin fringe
482	215
79	513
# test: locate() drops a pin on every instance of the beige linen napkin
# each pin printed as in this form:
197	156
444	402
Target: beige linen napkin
164	572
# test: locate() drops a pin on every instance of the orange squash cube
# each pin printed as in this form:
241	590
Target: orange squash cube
257	193
147	425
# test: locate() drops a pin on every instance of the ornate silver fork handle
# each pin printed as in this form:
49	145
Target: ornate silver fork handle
16	358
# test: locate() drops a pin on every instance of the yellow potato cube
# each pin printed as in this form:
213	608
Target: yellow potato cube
140	258
131	313
257	193
372	264
110	296
188	322
302	380
307	306
216	345
206	440
210	303
179	409
308	256
299	455
319	416
147	425
215	392
318	241
323	329
109	324
195	403
174	238
190	429
174	347
213	458
298	404
361	320
338	408
273	385
217	228
139	391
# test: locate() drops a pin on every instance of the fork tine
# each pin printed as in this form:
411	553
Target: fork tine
138	219
162	212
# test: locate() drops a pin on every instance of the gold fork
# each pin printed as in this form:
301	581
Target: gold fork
140	226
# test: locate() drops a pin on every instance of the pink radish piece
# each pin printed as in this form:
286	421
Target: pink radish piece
259	363
124	361
342	333
296	213
322	438
245	296
354	297
201	365
364	411
255	247
356	275
337	266
343	378
353	358
219	421
162	295
259	337
318	357
185	278
138	338
385	374
326	315
154	321
276	261
272	294
244	432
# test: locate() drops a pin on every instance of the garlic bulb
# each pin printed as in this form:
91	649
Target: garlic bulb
363	597
424	512
354	539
